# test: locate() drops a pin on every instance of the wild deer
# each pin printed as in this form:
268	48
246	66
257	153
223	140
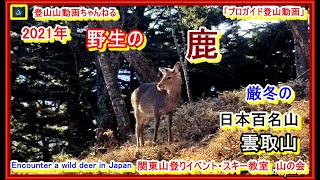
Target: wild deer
152	100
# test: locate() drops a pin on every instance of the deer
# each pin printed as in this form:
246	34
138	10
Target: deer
156	99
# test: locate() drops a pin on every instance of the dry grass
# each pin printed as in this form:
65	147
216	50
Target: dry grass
197	134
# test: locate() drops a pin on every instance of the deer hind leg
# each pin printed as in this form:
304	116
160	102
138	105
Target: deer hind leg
140	122
137	135
141	138
137	116
144	120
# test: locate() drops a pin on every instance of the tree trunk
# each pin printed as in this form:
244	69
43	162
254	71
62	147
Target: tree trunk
106	116
300	34
74	127
144	68
45	149
182	59
110	76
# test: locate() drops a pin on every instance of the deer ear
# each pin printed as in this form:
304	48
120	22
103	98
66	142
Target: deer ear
177	66
162	70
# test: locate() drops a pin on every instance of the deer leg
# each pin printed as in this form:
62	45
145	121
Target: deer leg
141	136
137	134
156	126
169	118
137	153
138	126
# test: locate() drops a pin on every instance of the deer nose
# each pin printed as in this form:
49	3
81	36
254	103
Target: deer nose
159	87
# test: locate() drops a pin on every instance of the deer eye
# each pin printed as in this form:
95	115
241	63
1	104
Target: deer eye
168	77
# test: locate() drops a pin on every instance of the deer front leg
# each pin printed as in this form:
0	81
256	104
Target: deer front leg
169	118
156	126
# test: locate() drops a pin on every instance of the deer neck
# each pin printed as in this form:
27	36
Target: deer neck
173	95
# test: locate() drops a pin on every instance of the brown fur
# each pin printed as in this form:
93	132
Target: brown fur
151	100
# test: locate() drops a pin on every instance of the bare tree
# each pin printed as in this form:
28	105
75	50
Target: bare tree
300	34
106	117
180	52
109	72
145	69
